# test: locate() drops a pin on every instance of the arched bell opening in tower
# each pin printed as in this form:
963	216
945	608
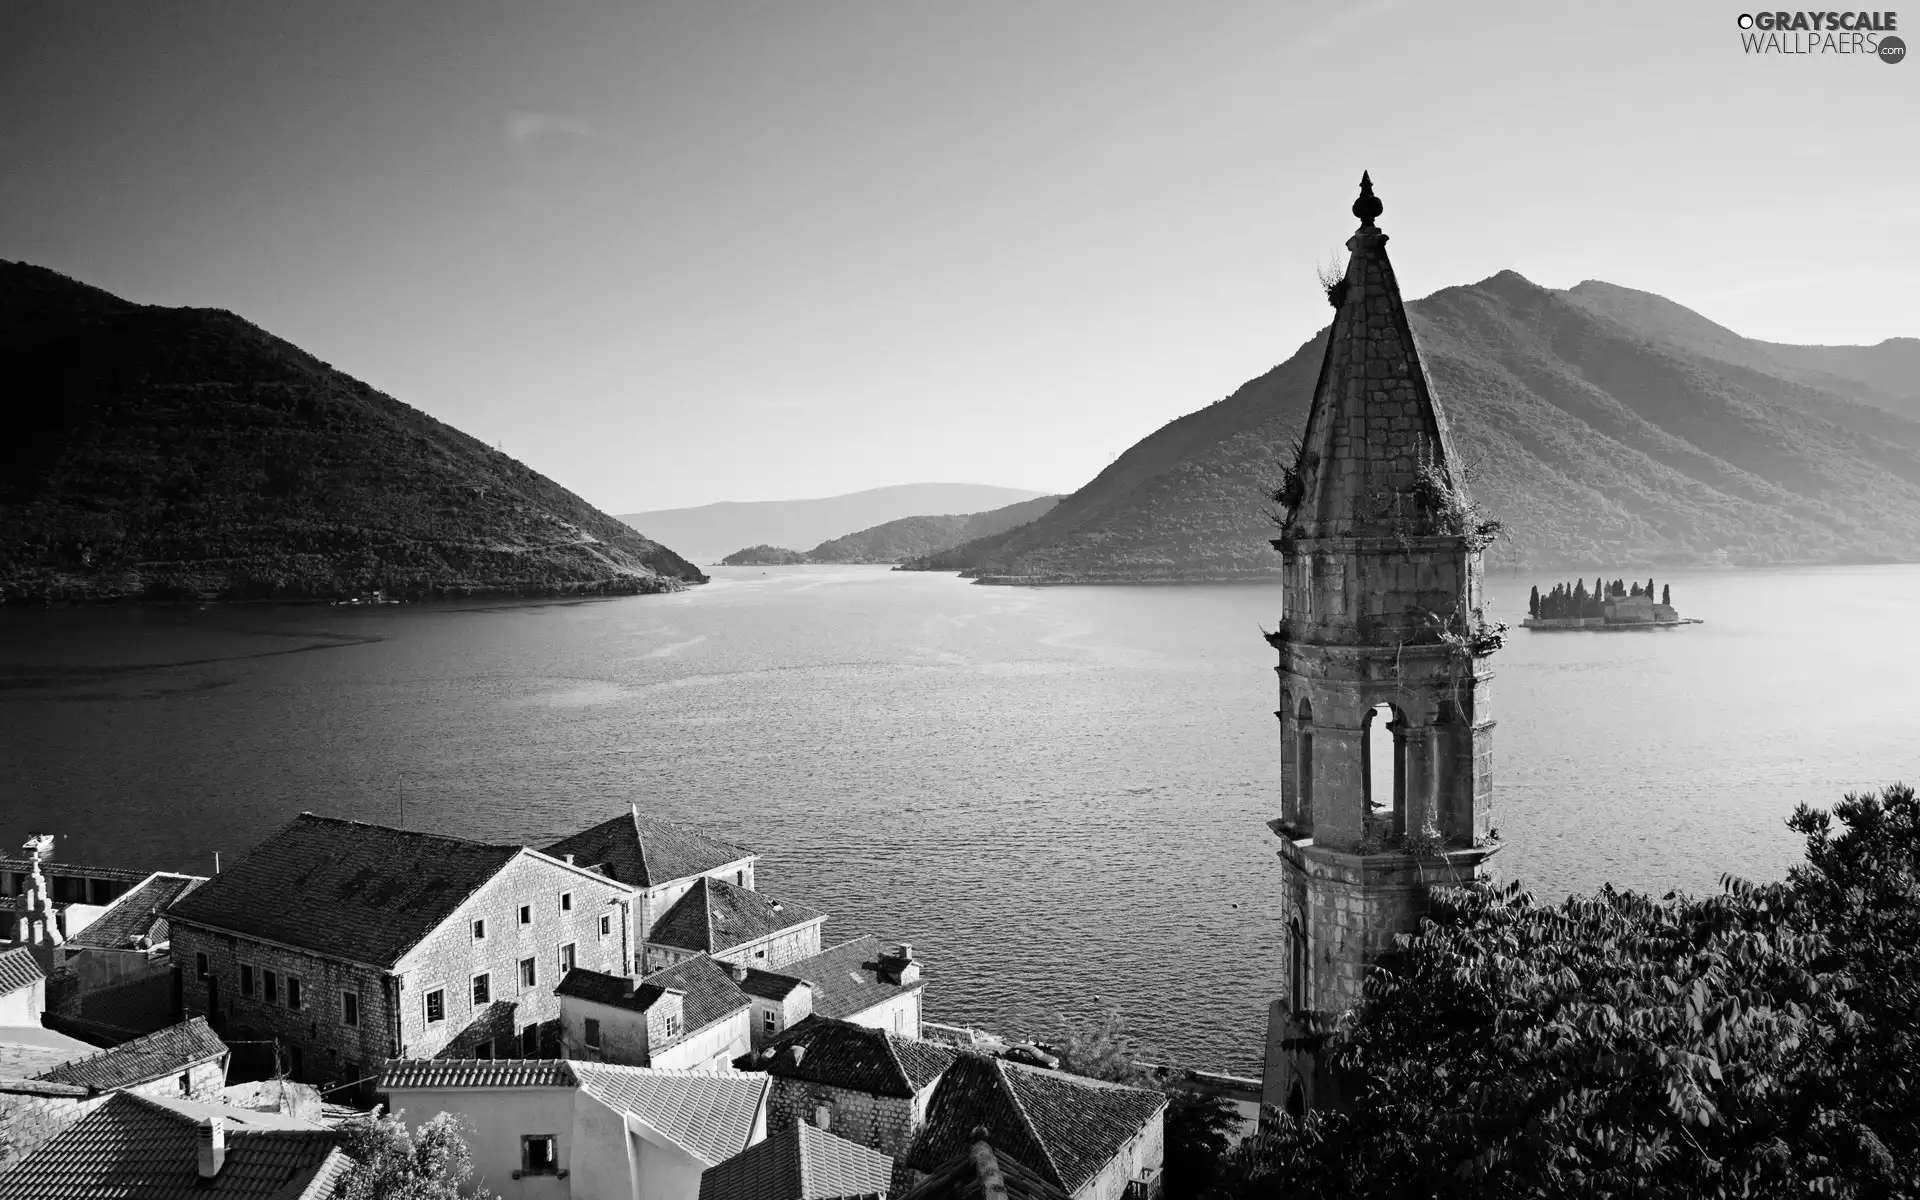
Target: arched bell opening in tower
1385	748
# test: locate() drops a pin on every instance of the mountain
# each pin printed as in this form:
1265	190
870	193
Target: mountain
711	530
912	537
183	453
1604	427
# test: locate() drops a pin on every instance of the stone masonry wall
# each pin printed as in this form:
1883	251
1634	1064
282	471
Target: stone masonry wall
885	1123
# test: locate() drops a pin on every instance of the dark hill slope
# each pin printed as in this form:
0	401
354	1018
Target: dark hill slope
911	537
1598	444
184	453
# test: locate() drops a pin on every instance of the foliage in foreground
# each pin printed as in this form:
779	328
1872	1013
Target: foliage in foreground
430	1162
1755	1043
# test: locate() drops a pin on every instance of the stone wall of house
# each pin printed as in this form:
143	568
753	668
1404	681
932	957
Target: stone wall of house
787	1012
772	953
623	1033
885	1123
33	1113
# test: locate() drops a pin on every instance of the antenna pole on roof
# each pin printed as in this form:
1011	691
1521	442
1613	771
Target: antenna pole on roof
403	803
216	862
634	809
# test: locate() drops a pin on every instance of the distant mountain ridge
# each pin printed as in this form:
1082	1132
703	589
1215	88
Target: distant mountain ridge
184	454
711	530
1605	427
896	541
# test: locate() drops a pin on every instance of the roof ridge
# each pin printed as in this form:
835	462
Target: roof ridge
419	833
1000	1069
893	1056
129	1044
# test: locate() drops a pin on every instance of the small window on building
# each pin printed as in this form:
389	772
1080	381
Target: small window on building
566	958
529	973
293	991
672	1026
246	980
769	1023
593	1033
482	989
759	953
480	930
436	1006
566	901
349	1008
530	1042
483	1050
606	926
201	968
269	987
526	914
538	1156
186	1084
740	879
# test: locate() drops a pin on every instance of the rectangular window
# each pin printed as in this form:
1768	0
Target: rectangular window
246	979
482	989
349	1008
269	987
529	973
673	1026
538	1156
201	968
526	914
606	926
480	930
436	1006
769	1023
566	901
530	1042
483	1050
740	878
593	1033
566	958
293	991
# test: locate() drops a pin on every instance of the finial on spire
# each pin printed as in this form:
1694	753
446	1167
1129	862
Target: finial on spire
1368	206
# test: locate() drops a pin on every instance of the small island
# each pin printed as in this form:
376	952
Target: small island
1615	605
764	555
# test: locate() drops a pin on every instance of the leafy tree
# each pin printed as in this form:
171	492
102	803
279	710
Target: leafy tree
1759	1042
430	1162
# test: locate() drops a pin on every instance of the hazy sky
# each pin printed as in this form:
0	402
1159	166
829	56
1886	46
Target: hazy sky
671	254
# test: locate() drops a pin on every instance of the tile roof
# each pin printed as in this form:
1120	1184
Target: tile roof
800	1162
136	914
707	988
19	969
345	889
163	1052
647	851
135	1147
27	1050
846	979
1064	1127
981	1173
716	915
769	985
710	1114
112	1014
842	1054
436	1073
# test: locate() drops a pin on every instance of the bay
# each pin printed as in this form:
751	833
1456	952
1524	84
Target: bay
1057	795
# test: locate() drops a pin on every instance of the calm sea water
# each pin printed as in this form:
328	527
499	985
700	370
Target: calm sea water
1058	795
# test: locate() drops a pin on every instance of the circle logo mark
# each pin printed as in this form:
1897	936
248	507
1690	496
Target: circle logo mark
1746	21
1892	50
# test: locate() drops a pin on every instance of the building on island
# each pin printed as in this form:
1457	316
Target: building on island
557	1129
353	943
659	860
1382	655
734	924
1613	605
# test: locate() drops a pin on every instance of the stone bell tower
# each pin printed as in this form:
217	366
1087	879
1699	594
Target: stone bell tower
1385	739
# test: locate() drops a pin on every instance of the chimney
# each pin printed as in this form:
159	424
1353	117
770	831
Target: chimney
569	858
213	1146
904	952
796	1052
739	972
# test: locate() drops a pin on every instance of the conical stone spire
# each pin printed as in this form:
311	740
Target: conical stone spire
1374	420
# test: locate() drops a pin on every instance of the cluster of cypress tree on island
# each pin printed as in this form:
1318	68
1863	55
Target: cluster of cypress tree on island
1576	601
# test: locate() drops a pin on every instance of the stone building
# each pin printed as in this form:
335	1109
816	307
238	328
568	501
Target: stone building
734	924
692	1015
865	1085
352	943
659	860
1385	736
862	981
